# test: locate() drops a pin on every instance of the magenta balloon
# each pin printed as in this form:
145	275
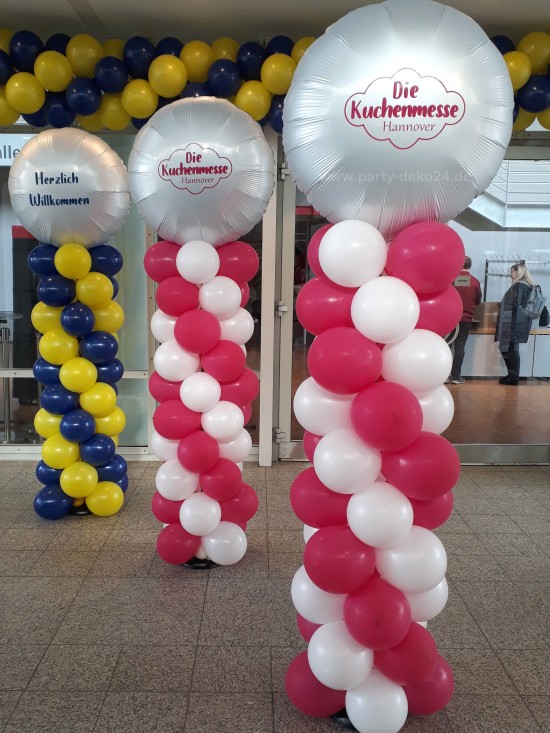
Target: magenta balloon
247	412
245	293
313	249
432	513
310	443
198	452
241	507
377	615
412	661
175	545
225	362
239	261
242	390
222	481
440	312
387	416
321	304
173	420
309	695
162	389
316	505
425	469
431	696
427	256
197	331
305	627
176	296
165	510
160	261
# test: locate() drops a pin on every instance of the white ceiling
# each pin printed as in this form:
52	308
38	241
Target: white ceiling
241	19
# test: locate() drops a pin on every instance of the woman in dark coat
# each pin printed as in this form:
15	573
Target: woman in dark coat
513	323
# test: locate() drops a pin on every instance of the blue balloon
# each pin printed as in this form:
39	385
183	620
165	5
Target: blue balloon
164	101
57	111
534	96
77	426
280	44
516	110
110	372
504	44
52	502
224	78
105	259
169	45
99	450
45	373
25	46
137	54
115	470
83	96
99	347
59	400
41	260
77	319
139	122
250	58
111	75
275	114
196	89
123	483
56	290
58	42
37	119
46	474
115	286
6	67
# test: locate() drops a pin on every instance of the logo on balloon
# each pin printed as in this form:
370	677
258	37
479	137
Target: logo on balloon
194	168
405	108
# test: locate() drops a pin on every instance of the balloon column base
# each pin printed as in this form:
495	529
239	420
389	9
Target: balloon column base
197	563
79	511
342	719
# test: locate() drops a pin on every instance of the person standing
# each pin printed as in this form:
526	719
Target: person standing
469	290
513	324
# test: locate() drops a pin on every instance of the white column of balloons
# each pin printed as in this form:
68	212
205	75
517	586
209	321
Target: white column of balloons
201	173
384	140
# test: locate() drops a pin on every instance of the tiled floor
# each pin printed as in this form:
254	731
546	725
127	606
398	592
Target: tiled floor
98	634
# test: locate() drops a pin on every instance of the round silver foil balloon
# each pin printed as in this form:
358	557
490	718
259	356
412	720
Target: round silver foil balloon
69	186
401	112
201	169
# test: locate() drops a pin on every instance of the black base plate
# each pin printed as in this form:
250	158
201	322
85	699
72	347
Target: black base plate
342	719
79	511
200	564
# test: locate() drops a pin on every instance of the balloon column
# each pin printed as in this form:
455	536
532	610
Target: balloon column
70	190
201	174
394	152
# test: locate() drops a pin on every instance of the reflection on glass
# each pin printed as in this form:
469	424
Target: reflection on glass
132	399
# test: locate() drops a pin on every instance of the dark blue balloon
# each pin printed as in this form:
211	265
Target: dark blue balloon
516	110
41	260
224	78
45	373
83	96
99	450
123	483
534	96
263	122
110	372
139	122
250	58
111	75
115	470
52	502
77	426
504	44
25	46
59	400
56	290
275	114
46	474
57	111
196	89
37	119
77	319
169	45
105	259
6	67
58	42
164	101
115	286
99	347
280	44
137	54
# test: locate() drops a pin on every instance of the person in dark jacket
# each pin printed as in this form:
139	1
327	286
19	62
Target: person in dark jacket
469	289
513	324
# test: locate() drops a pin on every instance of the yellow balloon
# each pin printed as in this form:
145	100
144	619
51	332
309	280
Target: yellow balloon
167	76
114	47
78	502
8	115
544	118
78	374
5	38
94	289
112	424
114	438
99	400
109	318
25	93
83	52
139	99
253	98
112	114
90	123
72	261
277	72
519	68
46	423
524	120
301	46
537	46
58	452
53	71
225	48
197	57
57	347
106	499
78	480
45	317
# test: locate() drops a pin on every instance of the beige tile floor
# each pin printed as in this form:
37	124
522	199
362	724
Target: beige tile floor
98	634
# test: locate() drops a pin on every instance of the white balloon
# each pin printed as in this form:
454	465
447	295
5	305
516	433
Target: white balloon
421	361
200	514
438	409
238	449
198	261
380	515
239	328
200	392
352	252
309	532
174	482
427	605
424	624
174	363
201	553
344	463
415	564
240	464
377	705
319	410
226	545
162	447
336	659
223	422
314	604
221	297
385	309
162	326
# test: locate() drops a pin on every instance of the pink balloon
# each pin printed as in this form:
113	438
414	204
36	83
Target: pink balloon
225	362
165	511
175	545
242	390
412	661
305	627
198	452
427	256
387	416
344	361
321	304
247	413
176	296
313	249
310	443
197	331
316	505
161	389
432	513
425	469
173	420
245	291
239	261
431	696
241	507
309	695
440	312
160	261
377	615
222	481
337	561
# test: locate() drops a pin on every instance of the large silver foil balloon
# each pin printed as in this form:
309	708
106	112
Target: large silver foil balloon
400	112
69	186
201	169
